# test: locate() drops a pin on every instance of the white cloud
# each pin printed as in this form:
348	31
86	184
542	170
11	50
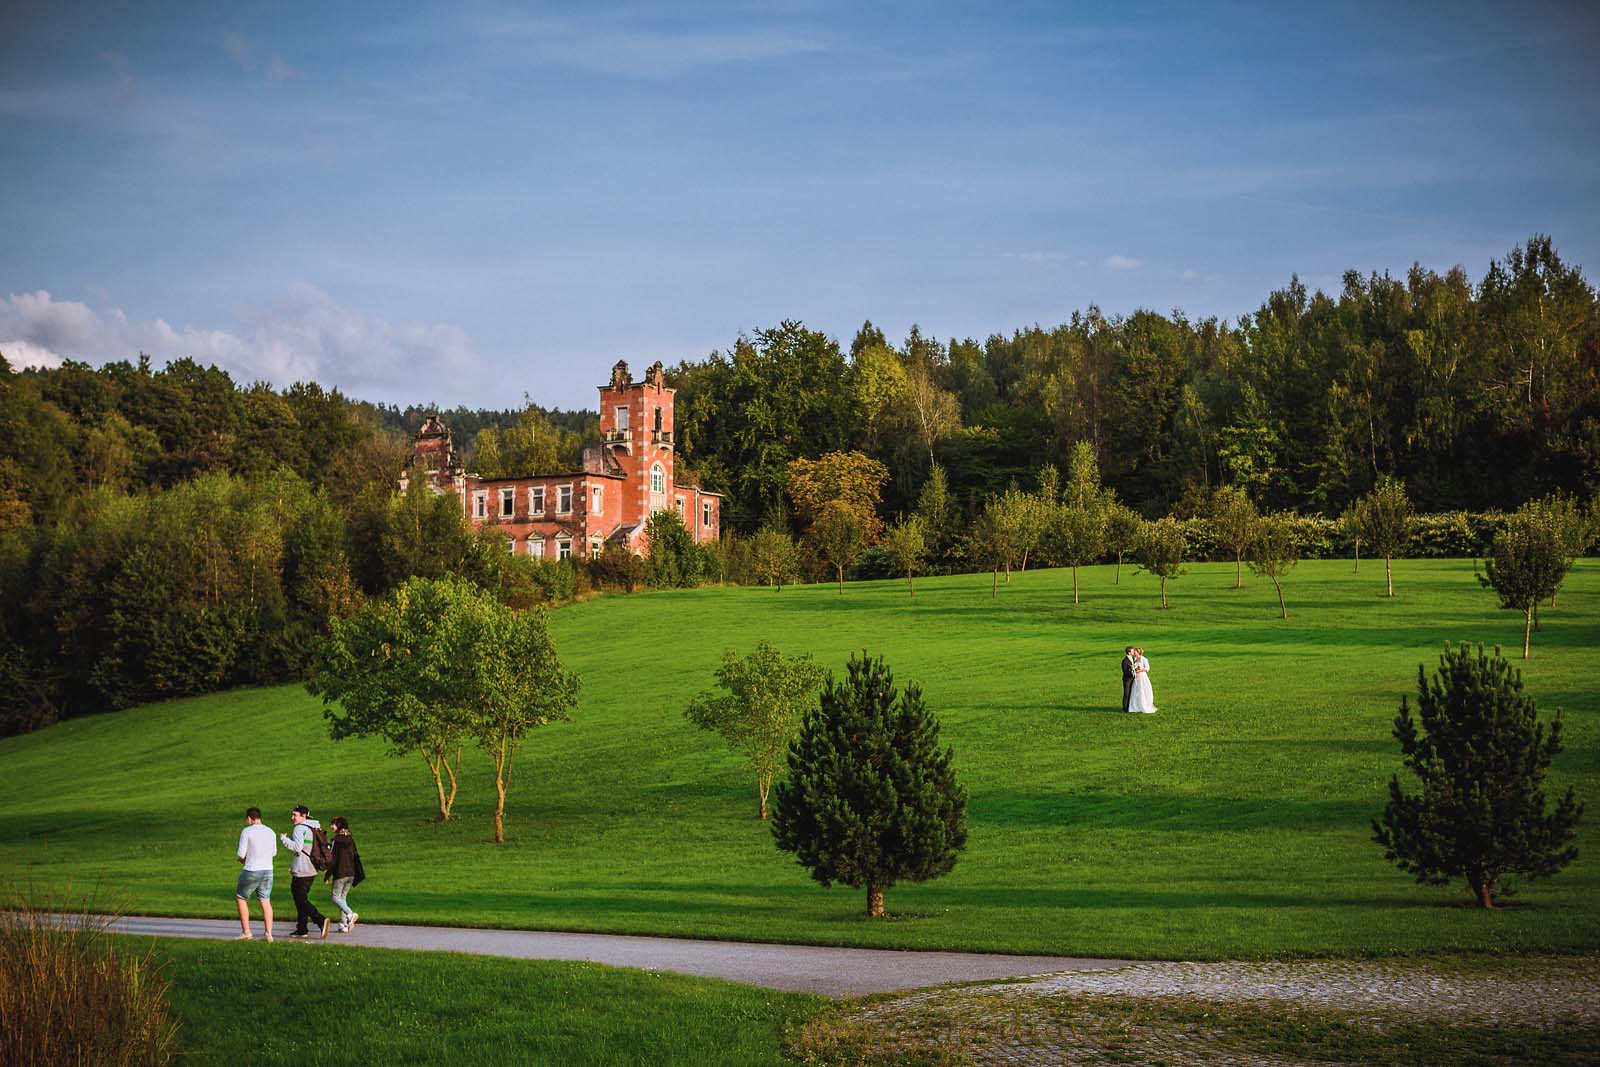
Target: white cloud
21	354
304	337
1120	262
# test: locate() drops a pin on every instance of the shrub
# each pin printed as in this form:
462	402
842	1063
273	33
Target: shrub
67	995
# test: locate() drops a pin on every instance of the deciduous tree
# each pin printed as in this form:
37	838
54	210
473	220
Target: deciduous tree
1162	545
1384	518
1274	552
1122	525
759	714
1234	518
393	671
908	546
514	683
774	558
1527	565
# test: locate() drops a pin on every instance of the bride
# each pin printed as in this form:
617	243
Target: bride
1143	698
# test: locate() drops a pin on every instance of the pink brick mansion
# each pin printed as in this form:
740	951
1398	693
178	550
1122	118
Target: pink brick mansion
620	482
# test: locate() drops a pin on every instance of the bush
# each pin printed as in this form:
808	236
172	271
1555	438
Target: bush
68	996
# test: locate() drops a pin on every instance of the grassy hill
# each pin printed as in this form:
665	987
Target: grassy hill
1234	822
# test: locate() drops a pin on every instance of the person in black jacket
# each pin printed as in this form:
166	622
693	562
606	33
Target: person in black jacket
345	872
1127	677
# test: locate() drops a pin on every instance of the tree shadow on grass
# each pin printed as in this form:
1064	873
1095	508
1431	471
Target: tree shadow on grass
1164	812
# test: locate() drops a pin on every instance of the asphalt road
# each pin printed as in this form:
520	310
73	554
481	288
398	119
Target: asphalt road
833	972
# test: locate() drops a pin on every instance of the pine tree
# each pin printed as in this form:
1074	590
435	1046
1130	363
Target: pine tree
1482	755
870	800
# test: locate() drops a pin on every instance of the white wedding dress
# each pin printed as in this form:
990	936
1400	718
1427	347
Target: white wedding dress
1143	698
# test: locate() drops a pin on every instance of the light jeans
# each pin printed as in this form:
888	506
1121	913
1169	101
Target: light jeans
340	890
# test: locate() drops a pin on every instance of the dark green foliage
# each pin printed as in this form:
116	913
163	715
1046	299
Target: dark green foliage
674	561
871	799
1481	755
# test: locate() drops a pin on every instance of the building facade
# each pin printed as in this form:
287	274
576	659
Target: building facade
619	484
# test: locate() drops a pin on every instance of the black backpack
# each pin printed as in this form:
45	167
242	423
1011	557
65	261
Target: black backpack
321	853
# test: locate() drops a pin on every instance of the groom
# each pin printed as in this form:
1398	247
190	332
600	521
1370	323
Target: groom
1127	676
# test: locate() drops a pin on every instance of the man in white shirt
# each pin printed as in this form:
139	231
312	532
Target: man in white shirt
257	846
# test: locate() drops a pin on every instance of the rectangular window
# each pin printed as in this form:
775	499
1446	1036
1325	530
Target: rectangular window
622	419
598	504
511	546
536	547
563	500
508	503
480	504
705	513
596	547
677	505
563	547
536	500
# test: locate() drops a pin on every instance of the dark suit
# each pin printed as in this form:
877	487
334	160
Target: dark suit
1127	680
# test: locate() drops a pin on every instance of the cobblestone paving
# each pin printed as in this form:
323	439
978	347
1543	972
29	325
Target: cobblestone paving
1063	1018
1537	993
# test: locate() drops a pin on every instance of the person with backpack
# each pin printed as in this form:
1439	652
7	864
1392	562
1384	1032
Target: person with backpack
311	854
345	871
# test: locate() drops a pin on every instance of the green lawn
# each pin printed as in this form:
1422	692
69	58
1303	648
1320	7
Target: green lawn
311	1004
1234	822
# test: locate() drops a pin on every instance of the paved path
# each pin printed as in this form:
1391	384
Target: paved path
834	972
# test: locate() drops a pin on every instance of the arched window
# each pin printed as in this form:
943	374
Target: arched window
658	480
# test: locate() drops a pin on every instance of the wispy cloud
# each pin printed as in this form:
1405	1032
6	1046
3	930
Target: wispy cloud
1121	262
253	60
304	337
634	47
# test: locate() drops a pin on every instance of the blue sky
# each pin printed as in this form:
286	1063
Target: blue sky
467	203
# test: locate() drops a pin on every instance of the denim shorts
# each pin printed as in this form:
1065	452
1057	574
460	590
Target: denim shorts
257	882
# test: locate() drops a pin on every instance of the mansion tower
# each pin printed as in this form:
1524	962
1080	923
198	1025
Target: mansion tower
620	482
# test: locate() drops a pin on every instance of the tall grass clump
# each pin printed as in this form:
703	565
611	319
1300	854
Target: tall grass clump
68	996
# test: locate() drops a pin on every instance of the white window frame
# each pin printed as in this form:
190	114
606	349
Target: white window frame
705	514
677	505
599	501
563	548
658	480
508	502
536	547
564	499
511	546
480	503
622	417
596	546
535	500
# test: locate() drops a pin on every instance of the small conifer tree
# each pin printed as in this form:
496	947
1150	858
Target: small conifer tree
871	799
1482	755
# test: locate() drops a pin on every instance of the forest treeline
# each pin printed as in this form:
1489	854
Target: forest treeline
1477	395
166	531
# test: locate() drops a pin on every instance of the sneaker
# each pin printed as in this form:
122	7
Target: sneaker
326	922
344	928
269	937
247	937
299	933
351	925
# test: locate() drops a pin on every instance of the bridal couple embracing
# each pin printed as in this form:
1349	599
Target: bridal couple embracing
1137	695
